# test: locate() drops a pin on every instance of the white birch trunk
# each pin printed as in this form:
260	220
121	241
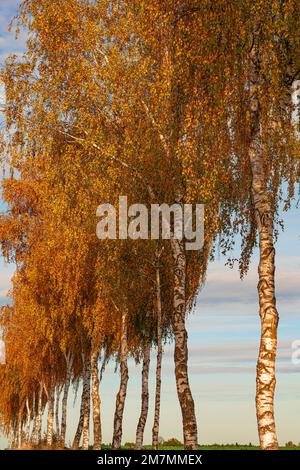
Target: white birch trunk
57	403
69	364
14	442
38	432
96	401
87	405
121	396
20	425
34	417
50	418
144	399
155	429
28	419
83	406
266	377
181	349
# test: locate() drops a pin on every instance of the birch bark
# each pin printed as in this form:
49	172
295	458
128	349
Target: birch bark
69	364
155	429
57	403
38	434
87	406
50	413
28	418
20	424
265	378
96	401
145	399
121	396
190	433
83	407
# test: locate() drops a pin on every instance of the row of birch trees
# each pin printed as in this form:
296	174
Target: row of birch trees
177	102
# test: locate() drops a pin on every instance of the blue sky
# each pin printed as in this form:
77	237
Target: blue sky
8	45
224	332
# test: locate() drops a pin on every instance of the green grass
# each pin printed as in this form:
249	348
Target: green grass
241	447
212	447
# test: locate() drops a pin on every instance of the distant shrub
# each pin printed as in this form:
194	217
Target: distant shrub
290	444
130	445
173	442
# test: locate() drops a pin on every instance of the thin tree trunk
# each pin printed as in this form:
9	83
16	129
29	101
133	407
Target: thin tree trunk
34	415
20	425
14	442
78	434
28	418
155	429
87	406
96	401
69	364
50	413
266	377
145	398
83	406
58	390
38	431
121	396
181	350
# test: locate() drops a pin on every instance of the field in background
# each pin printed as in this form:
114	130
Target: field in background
212	447
130	446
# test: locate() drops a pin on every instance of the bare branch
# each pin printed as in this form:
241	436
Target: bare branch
155	125
117	160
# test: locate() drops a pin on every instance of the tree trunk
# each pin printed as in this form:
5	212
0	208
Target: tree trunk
145	398
121	396
28	418
265	378
69	364
181	350
58	390
83	406
20	425
96	401
14	442
34	415
78	434
87	406
50	413
155	429
38	431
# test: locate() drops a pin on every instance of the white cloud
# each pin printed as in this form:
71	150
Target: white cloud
6	273
8	42
225	292
231	357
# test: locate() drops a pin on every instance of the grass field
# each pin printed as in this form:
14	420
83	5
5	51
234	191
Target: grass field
130	446
214	447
